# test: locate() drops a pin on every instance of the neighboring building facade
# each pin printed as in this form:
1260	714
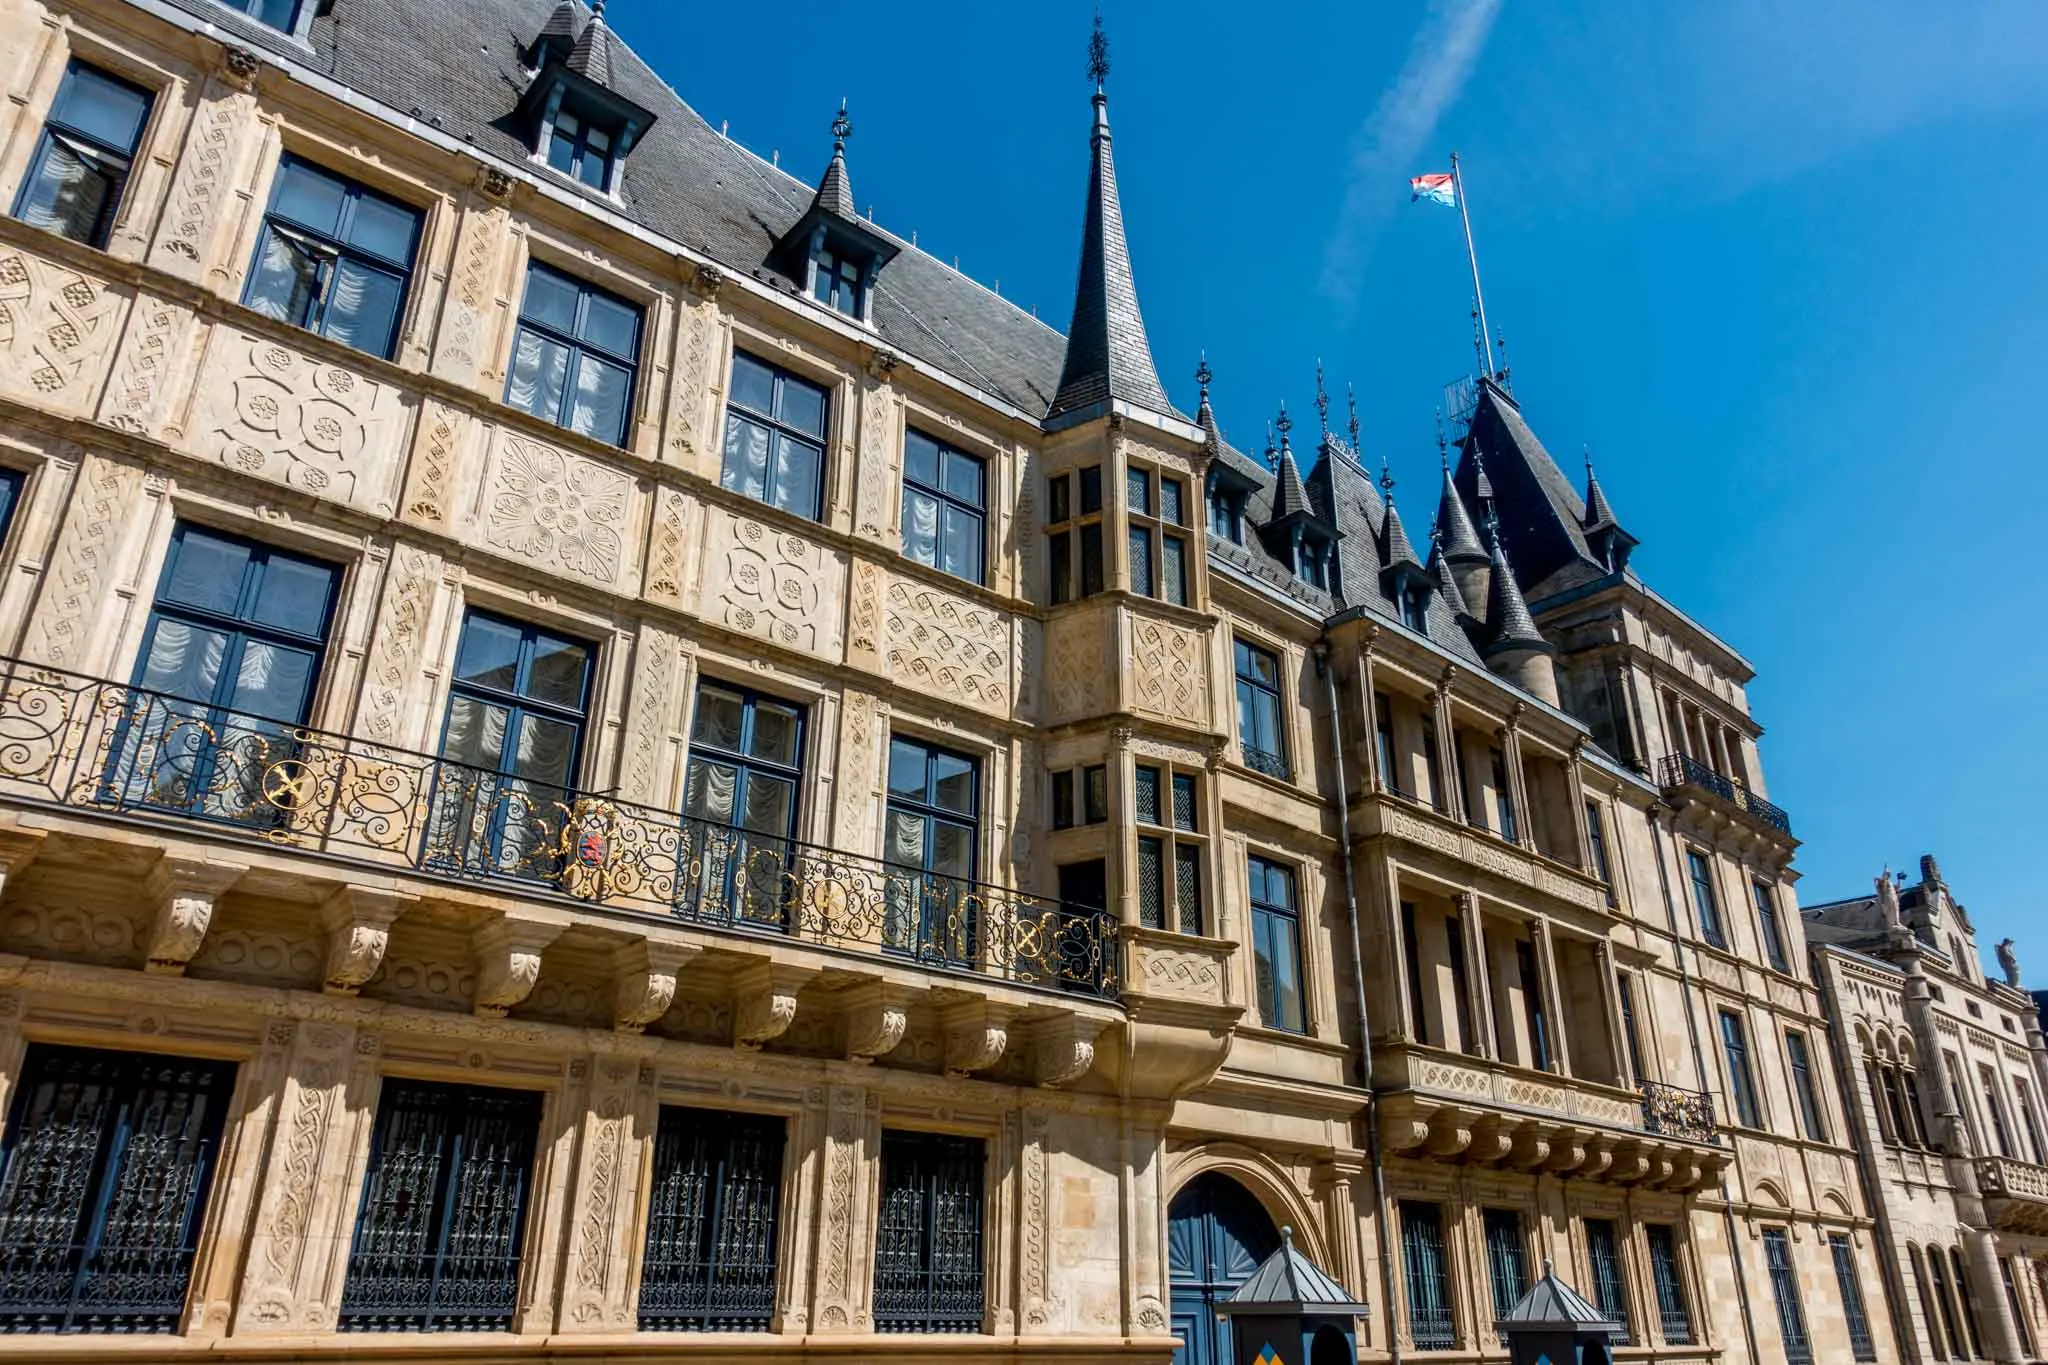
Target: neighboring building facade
595	749
1945	1071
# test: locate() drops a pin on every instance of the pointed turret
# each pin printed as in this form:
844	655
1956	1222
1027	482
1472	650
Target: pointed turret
835	188
1290	496
1446	581
831	251
1514	648
591	58
1605	538
1108	357
1460	545
557	37
1395	549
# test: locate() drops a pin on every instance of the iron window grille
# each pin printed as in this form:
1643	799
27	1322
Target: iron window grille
712	1222
1430	1325
1854	1314
574	363
1610	1286
334	258
1074	534
1156	505
774	437
514	733
932	836
81	162
1276	945
1785	1289
443	1210
1169	849
928	1236
1701	874
945	507
1805	1086
1507	1260
230	658
1769	927
744	783
103	1184
1741	1079
1674	1317
1261	732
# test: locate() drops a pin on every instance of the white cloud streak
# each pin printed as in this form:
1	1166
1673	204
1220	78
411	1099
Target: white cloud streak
1384	151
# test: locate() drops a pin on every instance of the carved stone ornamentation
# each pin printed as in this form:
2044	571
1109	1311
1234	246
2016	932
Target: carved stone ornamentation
494	183
644	981
1169	671
876	1016
945	645
358	922
241	66
410	583
57	331
184	891
508	961
977	1034
771	584
764	1001
559	511
1063	1048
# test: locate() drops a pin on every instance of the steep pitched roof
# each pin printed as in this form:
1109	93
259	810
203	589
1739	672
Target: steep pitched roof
1446	581
1542	520
1288	1282
1599	515
1394	546
1508	622
591	58
835	189
1107	356
1551	1302
1457	538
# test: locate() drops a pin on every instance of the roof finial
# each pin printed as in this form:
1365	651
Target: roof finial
1500	344
1272	451
1098	53
1285	424
1386	477
1589	461
842	126
597	9
1351	402
1203	375
1322	399
1443	447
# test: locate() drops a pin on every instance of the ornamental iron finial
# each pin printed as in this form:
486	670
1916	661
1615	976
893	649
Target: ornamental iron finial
1479	342
1098	53
597	9
1443	447
842	127
1203	375
1322	399
1284	423
1272	451
1351	402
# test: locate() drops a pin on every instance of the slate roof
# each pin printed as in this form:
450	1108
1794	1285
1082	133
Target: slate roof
1551	1302
1542	519
591	58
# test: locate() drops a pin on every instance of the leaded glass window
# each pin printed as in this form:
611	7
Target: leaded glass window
573	364
709	1263
1785	1290
443	1212
334	258
1861	1344
103	1184
1169	851
945	505
1426	1269
1156	504
928	1236
1610	1286
81	163
1674	1317
774	437
1276	945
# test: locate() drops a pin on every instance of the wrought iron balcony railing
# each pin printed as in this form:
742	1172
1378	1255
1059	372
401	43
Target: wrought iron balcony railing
1686	1114
118	749
1272	765
1683	770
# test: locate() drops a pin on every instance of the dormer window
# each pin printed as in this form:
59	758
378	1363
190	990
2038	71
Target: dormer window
832	253
1415	609
838	283
1312	563
577	124
282	15
1227	496
581	150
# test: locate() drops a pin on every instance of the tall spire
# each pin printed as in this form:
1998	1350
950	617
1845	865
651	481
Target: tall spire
1599	514
835	189
1290	497
1460	539
1108	356
1508	621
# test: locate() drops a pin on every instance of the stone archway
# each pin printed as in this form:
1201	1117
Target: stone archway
1217	1232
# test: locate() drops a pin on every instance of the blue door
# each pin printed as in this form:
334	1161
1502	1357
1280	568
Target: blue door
1216	1235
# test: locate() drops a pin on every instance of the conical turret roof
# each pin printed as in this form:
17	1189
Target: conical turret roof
1509	624
1459	538
835	187
1599	515
1394	547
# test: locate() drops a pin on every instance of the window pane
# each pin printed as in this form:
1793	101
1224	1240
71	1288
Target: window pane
1184	802
1151	884
101	107
771	804
711	791
921	526
279	14
68	193
1173	570
476	732
1138	491
964	478
206	572
1095	796
803	405
1091	559
593	166
746	457
1147	789
718	719
1060	568
904	839
540	371
603	391
1058	491
547	748
184	660
559	669
953	850
1062	800
489	654
1172	501
1091	489
273	681
286	279
962	544
776	731
309	198
1141	561
796	477
550	299
753	384
363	311
1187	888
383	228
293	595
920	459
953	783
907	770
611	325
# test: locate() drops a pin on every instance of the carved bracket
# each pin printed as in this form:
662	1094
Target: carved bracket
764	1001
184	891
358	921
1063	1048
508	961
18	848
876	1013
644	981
977	1035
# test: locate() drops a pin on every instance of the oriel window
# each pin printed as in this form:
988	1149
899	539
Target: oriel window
774	437
945	506
334	258
928	1235
1276	945
81	163
1156	508
1169	849
1261	730
1073	526
103	1183
712	1222
443	1212
575	358
740	803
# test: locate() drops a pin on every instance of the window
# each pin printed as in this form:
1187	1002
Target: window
1894	1120
1169	859
1312	562
515	725
1596	840
1503	797
573	363
1861	1344
774	437
1610	1288
1804	1086
928	1251
740	803
282	15
1276	945
1507	1259
1383	736
1767	922
1427	1269
1785	1289
1153	521
1988	1079
1461	985
1937	1275
1414	606
230	657
1701	874
443	1210
1674	1318
1432	761
1625	986
1093	783
1411	956
1967	1300
74	181
709	1261
1226	508
945	497
581	150
1260	731
2013	1305
334	258
1534	1016
837	283
10	498
932	829
1741	1081
103	1184
2024	1098
1069	522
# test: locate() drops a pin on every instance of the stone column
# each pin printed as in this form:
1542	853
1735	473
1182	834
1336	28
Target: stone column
1553	997
1478	974
1610	1010
1405	1024
1994	1311
847	1188
1451	800
614	1130
1368	707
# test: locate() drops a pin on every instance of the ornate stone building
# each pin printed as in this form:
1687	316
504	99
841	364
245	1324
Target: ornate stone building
598	755
1944	1071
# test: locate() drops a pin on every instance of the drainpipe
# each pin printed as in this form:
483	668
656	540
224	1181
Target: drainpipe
1692	1029
1374	1156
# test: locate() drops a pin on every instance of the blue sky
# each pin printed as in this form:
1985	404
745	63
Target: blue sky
1778	265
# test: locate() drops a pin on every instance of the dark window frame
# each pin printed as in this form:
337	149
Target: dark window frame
581	350
1073	531
691	1279
1745	1102
1610	1278
1792	1330
1426	1279
779	430
947	502
1855	1312
580	151
1267	916
1261	704
1667	1276
1805	1086
1769	927
1173	848
332	251
1706	899
1507	1258
919	1301
117	163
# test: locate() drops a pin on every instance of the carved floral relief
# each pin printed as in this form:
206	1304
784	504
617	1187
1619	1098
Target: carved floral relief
558	511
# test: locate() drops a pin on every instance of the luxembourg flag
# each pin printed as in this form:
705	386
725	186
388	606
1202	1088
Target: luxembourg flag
1437	189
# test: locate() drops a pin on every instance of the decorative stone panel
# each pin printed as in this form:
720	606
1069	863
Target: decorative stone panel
771	584
57	332
557	511
1077	659
944	645
1170	671
78	586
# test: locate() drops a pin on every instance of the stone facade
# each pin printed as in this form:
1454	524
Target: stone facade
1524	907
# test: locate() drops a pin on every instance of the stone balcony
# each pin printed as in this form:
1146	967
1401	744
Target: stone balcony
1681	774
2015	1194
1410	821
1451	1107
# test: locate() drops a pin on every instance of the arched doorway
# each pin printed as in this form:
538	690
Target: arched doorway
1216	1235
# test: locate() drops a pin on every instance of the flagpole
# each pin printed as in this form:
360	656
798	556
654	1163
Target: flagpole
1472	255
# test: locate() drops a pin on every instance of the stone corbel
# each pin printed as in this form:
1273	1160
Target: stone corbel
358	921
1532	1148
644	981
508	961
1450	1132
184	891
764	1001
1599	1156
977	1036
1492	1140
240	66
1063	1048
1567	1154
876	1014
18	848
